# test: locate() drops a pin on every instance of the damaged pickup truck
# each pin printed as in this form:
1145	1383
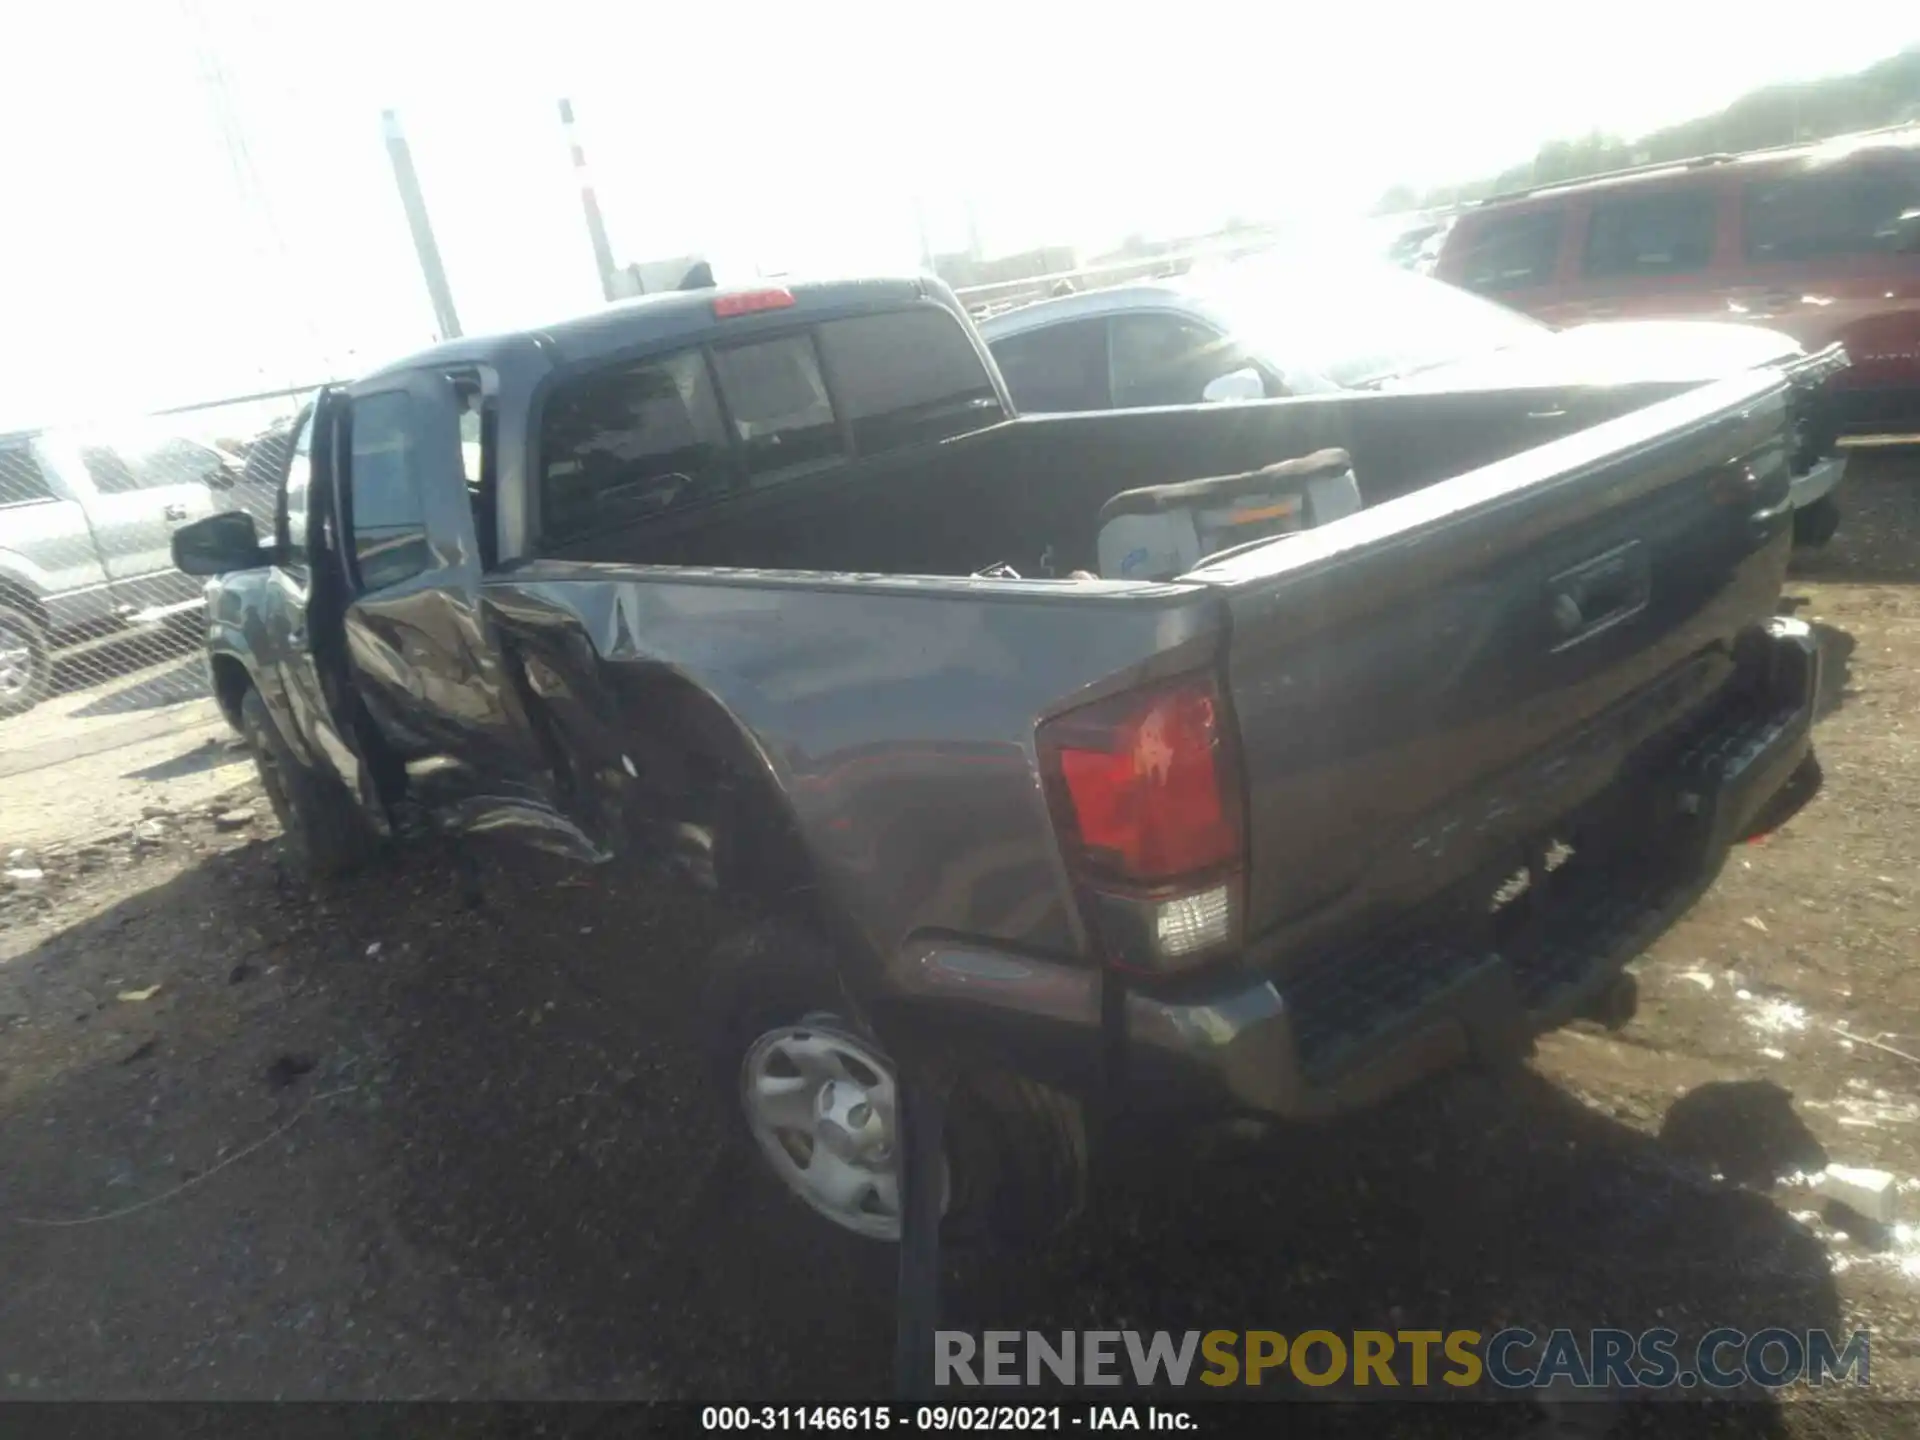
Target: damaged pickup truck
1208	760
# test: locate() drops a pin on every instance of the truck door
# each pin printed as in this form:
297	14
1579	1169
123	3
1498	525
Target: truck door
46	544
142	489
301	665
421	654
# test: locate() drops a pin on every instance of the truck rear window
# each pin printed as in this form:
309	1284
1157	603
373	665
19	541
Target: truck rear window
623	444
777	399
626	443
907	377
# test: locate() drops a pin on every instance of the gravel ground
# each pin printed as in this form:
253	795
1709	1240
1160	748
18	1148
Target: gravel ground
380	1141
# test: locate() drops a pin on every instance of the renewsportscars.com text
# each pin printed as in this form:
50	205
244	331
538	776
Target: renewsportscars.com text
1510	1359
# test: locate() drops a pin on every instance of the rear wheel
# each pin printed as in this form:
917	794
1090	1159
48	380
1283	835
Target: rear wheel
817	1097
26	659
321	827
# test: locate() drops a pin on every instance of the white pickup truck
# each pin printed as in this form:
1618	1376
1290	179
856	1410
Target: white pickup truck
86	526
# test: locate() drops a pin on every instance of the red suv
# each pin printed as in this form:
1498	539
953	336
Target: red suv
1821	241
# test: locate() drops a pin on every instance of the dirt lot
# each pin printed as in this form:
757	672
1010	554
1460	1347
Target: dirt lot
383	1143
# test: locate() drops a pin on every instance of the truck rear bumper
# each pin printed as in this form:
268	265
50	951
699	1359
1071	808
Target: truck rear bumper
1819	481
1352	1027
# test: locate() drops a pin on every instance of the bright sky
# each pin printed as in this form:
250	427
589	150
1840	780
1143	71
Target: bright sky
133	272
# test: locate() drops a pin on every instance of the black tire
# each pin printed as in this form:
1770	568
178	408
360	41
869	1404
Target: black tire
1814	525
24	689
323	831
1016	1150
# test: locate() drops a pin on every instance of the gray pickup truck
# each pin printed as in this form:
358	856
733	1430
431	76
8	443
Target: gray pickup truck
86	528
775	582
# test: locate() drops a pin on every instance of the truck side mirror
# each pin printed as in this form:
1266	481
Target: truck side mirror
219	545
1242	384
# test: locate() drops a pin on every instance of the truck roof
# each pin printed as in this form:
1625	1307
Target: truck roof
626	325
1902	136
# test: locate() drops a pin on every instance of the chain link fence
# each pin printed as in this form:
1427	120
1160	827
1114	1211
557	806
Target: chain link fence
95	620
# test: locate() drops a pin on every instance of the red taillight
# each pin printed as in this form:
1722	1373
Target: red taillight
1147	779
750	302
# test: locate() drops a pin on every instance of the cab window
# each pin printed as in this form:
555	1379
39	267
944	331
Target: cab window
386	508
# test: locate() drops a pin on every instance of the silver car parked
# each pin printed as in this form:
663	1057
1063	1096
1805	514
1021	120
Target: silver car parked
86	529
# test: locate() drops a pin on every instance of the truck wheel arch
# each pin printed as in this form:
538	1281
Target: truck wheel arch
758	850
25	613
23	596
231	681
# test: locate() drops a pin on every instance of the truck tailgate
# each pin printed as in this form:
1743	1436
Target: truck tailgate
1423	689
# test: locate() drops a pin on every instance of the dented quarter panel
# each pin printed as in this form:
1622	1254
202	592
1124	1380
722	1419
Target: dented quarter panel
895	718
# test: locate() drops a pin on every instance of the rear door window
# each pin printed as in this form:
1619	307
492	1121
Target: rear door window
387	510
108	469
1056	368
1513	251
624	444
777	404
1851	210
1659	233
907	377
21	479
150	465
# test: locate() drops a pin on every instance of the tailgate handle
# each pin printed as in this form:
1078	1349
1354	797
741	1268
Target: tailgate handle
1598	594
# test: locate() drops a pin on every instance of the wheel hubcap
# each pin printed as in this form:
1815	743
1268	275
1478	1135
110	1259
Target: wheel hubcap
16	662
823	1105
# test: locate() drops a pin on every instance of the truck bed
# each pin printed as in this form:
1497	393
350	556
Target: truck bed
1027	492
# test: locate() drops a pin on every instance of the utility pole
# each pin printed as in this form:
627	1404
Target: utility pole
414	203
596	226
920	229
266	242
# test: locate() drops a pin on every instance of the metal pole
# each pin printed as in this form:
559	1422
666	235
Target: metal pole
589	202
414	203
920	229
